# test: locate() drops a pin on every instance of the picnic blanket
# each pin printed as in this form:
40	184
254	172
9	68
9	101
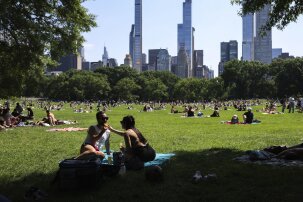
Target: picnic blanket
160	159
69	129
266	158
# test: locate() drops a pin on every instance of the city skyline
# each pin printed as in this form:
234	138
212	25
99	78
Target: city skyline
214	23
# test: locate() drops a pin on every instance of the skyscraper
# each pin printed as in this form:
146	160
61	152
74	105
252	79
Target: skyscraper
137	56
183	64
197	63
263	43
233	50
229	51
163	61
185	38
105	57
131	41
248	37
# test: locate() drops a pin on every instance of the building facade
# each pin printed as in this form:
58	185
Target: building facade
105	57
163	61
128	60
248	37
137	55
228	51
185	39
263	43
276	52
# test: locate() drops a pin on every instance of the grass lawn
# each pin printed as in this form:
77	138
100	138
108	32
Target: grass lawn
29	157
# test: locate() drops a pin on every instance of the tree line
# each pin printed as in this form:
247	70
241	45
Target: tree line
240	80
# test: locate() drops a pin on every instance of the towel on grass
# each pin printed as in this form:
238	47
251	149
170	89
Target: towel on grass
70	129
159	160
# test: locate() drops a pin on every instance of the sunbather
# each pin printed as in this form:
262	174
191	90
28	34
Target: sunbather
137	150
88	148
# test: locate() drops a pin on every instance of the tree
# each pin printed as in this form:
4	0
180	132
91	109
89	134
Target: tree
169	80
117	73
74	85
283	11
288	77
191	89
37	33
125	89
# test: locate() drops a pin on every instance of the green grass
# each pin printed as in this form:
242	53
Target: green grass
29	157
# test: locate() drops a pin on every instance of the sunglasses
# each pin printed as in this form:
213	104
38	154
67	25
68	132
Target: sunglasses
104	118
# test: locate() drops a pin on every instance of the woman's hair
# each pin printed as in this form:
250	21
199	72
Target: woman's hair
128	122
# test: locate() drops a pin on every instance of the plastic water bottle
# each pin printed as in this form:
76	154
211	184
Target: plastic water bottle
122	170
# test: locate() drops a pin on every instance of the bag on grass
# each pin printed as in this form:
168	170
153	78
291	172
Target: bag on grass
74	174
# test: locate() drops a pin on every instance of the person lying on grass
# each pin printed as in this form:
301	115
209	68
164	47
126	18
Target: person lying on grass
96	133
137	149
289	153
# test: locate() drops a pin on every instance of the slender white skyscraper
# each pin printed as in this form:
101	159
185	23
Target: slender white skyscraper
105	57
248	37
185	37
137	55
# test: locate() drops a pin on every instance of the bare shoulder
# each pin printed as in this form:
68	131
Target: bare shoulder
92	130
130	132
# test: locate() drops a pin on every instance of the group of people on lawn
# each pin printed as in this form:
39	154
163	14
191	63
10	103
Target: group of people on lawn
10	119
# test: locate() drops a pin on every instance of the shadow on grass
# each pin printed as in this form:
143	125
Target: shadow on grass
235	182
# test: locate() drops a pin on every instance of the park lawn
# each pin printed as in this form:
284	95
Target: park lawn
29	157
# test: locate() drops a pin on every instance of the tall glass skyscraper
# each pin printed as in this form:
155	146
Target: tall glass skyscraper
248	37
263	43
185	37
131	41
137	55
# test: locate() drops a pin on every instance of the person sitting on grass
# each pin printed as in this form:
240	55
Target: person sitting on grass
215	113
50	119
234	119
137	149
248	116
190	112
96	133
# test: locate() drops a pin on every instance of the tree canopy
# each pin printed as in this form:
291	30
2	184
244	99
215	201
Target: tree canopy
283	11
37	33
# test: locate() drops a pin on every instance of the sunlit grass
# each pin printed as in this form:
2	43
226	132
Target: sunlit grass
29	157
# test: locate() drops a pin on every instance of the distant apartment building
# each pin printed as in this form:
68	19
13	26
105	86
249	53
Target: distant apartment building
286	56
276	52
71	61
128	60
112	62
197	62
228	51
143	58
86	66
159	60
95	65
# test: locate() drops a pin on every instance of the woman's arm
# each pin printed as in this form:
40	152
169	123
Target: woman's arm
121	133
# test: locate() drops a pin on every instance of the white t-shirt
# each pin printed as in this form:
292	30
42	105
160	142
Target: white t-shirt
101	142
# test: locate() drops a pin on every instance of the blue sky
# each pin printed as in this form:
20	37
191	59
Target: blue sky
214	21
